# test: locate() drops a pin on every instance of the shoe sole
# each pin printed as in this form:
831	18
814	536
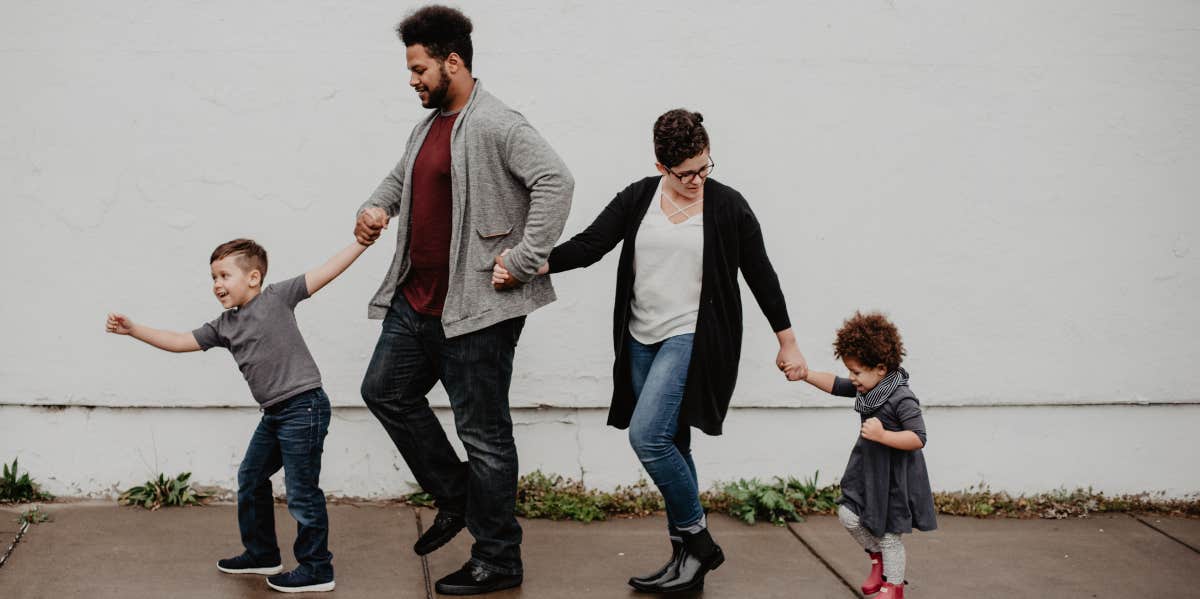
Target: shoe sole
449	590
264	571
641	587
441	542
312	588
649	582
695	585
691	588
644	587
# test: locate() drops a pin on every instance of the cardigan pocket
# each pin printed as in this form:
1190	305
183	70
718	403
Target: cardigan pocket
488	243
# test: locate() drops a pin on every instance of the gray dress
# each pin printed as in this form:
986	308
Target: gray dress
889	488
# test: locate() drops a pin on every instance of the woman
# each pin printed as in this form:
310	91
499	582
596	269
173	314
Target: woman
677	323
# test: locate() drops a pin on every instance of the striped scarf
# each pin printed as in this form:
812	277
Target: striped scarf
866	404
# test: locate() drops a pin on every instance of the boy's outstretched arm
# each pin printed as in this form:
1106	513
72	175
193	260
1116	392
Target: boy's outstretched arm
172	341
320	276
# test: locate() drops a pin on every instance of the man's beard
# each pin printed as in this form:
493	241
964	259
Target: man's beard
437	95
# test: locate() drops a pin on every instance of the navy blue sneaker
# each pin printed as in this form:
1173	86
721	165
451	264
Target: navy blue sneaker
244	564
297	582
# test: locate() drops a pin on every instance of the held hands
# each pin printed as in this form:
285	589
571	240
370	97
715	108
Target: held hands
502	279
370	224
118	324
872	430
792	363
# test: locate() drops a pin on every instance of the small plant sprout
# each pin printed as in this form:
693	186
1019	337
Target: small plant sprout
163	491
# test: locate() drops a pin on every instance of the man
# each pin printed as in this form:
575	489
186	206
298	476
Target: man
476	179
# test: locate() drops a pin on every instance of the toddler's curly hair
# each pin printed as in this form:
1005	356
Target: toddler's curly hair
869	339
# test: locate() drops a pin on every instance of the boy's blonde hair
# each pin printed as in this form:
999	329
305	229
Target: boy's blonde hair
250	255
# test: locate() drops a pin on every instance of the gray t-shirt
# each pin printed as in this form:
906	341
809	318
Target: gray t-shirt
266	343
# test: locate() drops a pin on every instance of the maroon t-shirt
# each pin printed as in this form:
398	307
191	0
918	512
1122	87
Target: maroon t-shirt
429	230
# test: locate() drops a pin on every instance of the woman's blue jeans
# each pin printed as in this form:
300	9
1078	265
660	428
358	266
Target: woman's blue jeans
664	447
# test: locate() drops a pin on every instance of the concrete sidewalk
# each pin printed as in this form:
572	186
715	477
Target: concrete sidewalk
99	550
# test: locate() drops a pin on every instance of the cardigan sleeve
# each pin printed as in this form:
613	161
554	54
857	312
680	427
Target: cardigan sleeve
590	245
908	411
758	272
389	192
533	162
842	387
387	195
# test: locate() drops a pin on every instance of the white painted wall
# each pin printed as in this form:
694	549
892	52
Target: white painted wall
1013	182
1116	449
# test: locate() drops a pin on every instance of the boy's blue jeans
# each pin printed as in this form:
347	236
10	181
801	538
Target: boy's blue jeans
413	354
290	435
659	378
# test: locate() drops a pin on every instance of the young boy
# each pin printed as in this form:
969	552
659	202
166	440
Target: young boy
885	489
259	329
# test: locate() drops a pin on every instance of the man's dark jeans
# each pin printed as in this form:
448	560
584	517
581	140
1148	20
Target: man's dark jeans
476	368
291	435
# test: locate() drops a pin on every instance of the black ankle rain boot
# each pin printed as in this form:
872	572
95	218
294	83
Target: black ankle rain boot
700	555
670	570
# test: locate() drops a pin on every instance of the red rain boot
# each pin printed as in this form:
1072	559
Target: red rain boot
874	580
891	591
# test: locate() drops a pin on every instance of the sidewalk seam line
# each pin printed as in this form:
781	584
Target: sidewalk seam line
1165	533
424	558
13	547
828	566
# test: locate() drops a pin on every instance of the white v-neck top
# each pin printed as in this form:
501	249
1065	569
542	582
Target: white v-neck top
668	265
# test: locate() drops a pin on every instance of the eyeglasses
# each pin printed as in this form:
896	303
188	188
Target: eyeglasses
688	177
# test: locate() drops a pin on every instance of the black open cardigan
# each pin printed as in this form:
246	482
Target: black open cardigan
732	240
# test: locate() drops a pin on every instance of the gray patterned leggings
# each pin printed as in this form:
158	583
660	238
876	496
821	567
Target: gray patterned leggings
889	545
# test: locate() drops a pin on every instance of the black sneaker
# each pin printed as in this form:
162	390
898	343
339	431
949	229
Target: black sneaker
471	579
244	564
297	582
445	526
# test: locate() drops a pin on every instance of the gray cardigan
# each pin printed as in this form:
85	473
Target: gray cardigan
510	191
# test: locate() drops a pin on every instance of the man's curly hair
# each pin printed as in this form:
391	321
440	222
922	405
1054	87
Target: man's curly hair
441	29
678	135
871	340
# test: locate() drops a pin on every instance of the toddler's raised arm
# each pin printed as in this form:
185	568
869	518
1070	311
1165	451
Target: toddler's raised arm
830	383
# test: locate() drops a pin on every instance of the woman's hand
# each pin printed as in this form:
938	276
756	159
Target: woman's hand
503	279
789	360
